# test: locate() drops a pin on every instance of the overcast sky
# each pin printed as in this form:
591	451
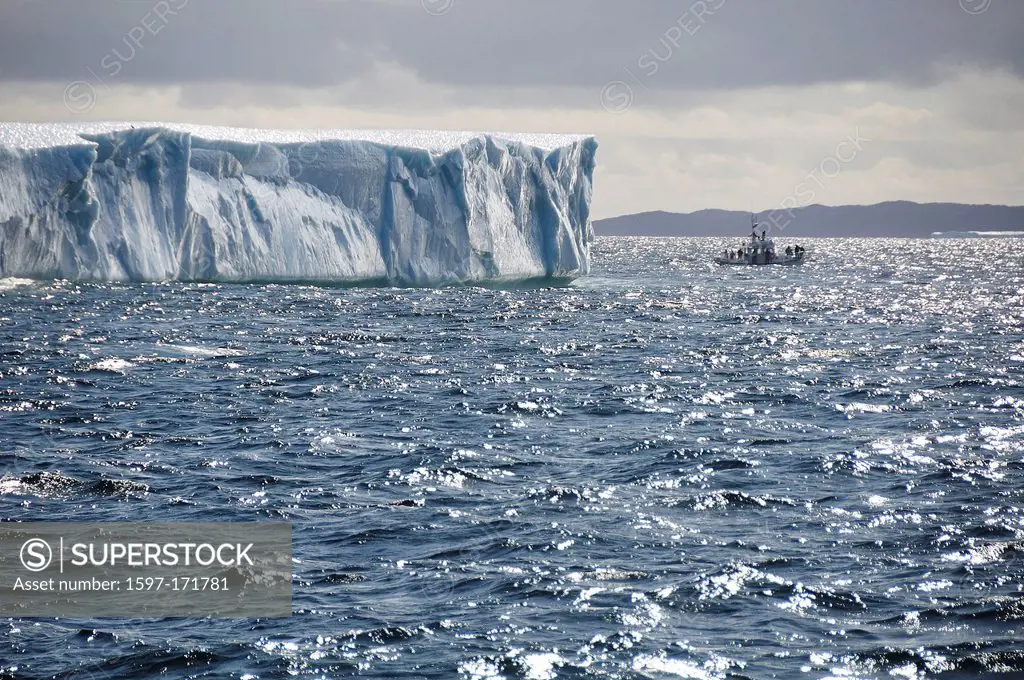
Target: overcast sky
741	104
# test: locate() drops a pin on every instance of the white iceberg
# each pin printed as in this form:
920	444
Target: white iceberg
977	234
159	202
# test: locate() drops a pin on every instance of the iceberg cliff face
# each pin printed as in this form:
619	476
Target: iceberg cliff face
158	202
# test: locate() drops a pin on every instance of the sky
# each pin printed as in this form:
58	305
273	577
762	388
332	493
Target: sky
740	104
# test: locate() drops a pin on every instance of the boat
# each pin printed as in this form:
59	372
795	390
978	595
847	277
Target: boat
760	250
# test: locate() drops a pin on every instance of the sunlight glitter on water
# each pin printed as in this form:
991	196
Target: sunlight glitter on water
664	469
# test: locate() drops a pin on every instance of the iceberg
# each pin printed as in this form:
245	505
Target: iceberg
165	202
977	234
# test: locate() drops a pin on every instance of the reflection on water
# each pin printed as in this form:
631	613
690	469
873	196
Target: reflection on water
667	469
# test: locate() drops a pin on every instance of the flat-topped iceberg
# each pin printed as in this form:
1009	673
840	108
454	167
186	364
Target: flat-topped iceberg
977	234
159	202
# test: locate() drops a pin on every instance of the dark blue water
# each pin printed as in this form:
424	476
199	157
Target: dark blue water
664	470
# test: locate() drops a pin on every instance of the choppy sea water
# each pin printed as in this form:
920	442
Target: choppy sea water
666	469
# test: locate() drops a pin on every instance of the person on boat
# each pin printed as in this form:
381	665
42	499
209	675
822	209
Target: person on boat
789	251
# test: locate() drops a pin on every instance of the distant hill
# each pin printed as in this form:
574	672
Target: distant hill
895	218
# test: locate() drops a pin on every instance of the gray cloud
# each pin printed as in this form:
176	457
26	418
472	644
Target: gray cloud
529	44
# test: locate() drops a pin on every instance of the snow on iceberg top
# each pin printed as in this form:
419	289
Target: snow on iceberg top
48	135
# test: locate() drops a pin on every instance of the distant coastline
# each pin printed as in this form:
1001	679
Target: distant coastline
893	218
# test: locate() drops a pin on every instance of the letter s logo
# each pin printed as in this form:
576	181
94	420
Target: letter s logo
79	97
36	554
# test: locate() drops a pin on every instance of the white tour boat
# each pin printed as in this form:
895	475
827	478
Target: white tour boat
761	250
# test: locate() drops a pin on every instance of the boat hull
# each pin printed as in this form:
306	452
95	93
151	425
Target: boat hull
760	262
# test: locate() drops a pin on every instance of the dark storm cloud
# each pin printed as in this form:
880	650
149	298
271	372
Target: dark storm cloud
506	43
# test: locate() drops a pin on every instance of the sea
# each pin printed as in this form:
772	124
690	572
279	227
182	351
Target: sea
666	469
